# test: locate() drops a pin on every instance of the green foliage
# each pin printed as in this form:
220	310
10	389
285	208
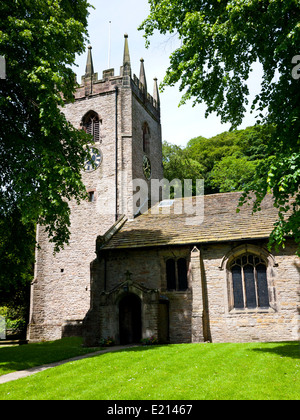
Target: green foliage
227	162
220	41
230	150
150	341
107	342
232	173
283	177
14	319
178	164
17	245
41	154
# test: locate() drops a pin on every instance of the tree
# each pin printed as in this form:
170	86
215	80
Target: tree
232	173
220	40
17	242
230	154
227	162
17	245
178	164
41	153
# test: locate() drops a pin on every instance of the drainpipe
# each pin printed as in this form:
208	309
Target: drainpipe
116	153
105	273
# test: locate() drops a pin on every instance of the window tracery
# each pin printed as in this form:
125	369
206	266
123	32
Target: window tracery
249	284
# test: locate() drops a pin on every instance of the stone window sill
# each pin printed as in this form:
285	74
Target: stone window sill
246	311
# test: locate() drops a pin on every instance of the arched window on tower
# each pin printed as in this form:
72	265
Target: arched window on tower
91	125
146	138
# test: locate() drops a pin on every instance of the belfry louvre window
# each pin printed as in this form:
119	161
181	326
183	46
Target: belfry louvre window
146	138
249	282
176	271
91	125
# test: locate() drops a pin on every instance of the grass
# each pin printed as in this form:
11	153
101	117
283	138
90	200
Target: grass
27	356
256	371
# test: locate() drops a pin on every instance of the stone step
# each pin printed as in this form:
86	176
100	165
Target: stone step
13	342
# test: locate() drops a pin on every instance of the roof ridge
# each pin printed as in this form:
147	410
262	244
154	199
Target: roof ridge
104	239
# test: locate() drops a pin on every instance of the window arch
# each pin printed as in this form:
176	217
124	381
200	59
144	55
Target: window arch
91	125
176	272
249	284
146	138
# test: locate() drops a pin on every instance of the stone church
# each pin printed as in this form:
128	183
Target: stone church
132	274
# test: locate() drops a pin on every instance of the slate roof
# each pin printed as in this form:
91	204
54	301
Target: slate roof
220	223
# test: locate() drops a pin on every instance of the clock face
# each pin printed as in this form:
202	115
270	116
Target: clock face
147	167
95	161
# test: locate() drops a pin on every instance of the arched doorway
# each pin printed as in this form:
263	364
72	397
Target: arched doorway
130	319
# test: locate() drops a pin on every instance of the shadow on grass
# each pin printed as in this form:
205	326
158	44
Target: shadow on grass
288	349
14	359
18	358
36	354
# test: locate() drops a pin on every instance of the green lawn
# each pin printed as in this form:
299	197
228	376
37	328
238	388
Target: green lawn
27	356
175	372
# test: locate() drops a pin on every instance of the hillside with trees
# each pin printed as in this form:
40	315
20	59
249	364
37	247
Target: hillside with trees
227	162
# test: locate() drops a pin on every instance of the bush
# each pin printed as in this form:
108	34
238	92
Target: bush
14	320
149	341
107	342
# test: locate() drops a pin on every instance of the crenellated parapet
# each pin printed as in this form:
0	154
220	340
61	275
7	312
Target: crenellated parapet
91	85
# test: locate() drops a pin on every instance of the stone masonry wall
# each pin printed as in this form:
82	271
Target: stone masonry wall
147	269
277	324
202	312
62	282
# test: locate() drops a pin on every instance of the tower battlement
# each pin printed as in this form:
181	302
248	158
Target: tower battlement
92	86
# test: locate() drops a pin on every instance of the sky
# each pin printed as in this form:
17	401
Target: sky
179	124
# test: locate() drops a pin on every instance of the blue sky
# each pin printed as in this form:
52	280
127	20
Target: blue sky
179	124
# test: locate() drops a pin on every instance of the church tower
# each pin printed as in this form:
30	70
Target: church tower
124	121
